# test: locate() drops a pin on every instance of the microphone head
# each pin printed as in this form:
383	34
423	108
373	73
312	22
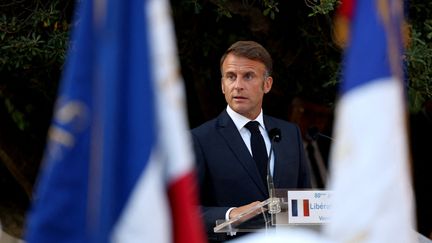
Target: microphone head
313	133
275	134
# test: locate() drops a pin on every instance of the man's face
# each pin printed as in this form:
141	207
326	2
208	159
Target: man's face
244	84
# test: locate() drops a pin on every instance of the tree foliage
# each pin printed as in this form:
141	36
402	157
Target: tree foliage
419	53
33	37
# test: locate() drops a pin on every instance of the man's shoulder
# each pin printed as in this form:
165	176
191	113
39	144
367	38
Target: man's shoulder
206	126
279	122
212	125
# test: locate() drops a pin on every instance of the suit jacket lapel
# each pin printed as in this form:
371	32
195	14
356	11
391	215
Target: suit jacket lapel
234	140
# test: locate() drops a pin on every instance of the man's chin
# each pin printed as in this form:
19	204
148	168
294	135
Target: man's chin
238	108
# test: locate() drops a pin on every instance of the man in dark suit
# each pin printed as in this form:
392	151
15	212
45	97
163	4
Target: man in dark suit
230	180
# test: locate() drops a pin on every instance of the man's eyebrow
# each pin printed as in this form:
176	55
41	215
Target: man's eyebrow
249	73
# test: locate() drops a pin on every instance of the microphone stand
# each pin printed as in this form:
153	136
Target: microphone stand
274	202
313	133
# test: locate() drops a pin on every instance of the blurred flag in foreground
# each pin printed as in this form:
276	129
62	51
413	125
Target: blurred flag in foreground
118	165
373	200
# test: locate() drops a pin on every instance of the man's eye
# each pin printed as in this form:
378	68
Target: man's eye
230	77
248	76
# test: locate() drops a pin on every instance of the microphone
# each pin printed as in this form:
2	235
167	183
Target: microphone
274	206
275	135
313	133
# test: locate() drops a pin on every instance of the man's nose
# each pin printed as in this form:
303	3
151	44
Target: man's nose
238	84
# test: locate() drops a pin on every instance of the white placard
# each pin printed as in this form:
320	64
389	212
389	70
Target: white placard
309	207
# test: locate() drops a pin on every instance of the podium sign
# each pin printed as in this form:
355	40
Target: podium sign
309	207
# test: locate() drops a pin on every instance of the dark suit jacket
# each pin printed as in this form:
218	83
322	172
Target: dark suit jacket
228	176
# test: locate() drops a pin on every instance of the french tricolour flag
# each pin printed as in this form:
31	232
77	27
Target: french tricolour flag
372	199
118	165
300	207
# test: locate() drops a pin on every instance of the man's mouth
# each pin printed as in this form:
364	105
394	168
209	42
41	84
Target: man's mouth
239	98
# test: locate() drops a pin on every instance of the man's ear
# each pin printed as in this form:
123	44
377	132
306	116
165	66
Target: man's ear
268	82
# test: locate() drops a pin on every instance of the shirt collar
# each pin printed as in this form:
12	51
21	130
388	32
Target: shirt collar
240	121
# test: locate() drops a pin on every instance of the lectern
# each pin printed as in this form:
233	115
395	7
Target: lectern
269	216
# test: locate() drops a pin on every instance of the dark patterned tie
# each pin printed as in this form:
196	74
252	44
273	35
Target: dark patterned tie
259	151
